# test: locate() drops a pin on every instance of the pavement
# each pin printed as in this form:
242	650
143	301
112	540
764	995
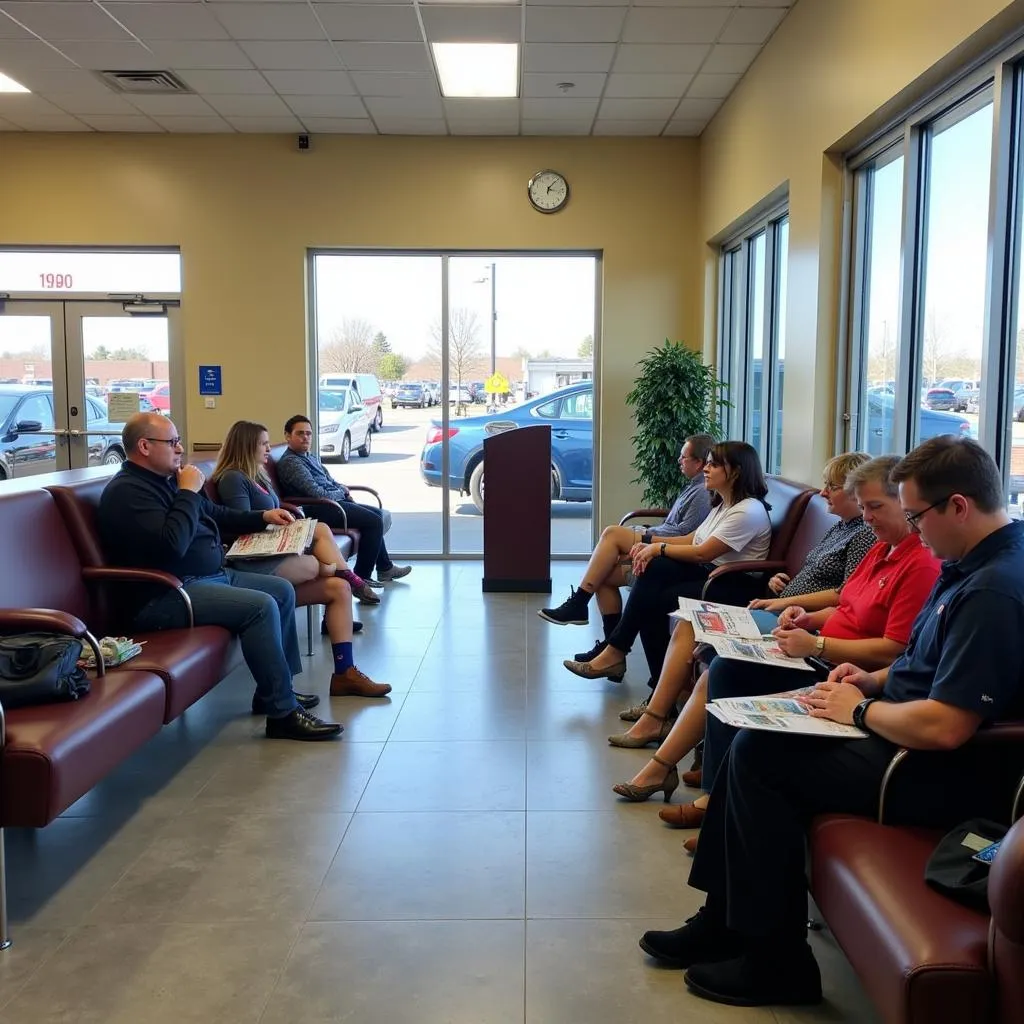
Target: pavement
392	469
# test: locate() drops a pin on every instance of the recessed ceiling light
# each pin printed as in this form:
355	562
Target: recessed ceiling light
10	85
478	69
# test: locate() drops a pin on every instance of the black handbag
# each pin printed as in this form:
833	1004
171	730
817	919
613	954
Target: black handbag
952	870
40	668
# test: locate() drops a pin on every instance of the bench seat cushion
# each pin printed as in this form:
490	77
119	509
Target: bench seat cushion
56	753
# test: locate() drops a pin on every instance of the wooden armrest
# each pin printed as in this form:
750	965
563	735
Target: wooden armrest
370	490
638	513
110	574
50	620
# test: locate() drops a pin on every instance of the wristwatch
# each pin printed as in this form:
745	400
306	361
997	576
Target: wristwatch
662	551
646	537
859	711
819	644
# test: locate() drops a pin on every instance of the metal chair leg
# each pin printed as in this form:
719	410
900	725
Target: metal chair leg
309	631
5	934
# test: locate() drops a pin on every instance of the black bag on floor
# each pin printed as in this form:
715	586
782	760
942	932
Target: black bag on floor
952	869
40	668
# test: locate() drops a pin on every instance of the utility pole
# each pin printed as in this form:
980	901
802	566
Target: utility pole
494	319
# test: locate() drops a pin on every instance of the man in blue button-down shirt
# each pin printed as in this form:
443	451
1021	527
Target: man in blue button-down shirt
963	667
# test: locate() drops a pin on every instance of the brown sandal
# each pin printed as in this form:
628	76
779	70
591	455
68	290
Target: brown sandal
682	815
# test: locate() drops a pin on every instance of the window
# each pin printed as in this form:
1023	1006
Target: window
547	411
752	334
36	409
579	406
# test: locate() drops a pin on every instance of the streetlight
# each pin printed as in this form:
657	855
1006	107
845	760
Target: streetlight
491	274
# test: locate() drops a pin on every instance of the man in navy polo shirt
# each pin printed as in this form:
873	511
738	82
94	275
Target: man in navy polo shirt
963	667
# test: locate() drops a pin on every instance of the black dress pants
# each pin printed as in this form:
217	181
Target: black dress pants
367	519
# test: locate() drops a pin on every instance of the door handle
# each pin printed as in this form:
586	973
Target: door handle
560	434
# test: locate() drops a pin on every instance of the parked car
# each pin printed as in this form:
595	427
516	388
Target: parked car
410	396
932	424
26	411
366	386
459	395
433	390
940	399
129	384
962	389
345	423
570	411
160	397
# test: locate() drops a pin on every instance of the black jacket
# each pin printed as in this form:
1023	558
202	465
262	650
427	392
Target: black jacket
146	522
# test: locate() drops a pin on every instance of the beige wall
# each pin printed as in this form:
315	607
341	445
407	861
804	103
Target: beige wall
244	210
834	70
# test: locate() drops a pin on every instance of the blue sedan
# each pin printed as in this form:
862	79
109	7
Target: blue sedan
570	413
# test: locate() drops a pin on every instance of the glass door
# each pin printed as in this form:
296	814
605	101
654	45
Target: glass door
71	373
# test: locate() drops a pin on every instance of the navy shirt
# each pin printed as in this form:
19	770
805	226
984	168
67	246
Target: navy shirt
967	645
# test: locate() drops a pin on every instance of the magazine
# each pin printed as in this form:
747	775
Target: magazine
734	634
294	539
778	713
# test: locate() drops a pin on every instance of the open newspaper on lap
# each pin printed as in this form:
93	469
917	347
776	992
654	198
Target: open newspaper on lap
294	539
778	713
734	634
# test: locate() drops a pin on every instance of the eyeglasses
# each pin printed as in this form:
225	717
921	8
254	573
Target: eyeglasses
174	442
832	488
913	517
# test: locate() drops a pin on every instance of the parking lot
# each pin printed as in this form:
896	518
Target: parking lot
393	470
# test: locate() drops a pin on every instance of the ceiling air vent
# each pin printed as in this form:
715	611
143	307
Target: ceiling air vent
149	82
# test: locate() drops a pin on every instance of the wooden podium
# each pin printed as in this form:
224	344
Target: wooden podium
517	511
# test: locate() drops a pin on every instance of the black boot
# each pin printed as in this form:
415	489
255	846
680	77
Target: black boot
786	975
571	612
703	939
588	656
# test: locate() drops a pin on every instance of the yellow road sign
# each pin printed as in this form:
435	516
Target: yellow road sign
496	384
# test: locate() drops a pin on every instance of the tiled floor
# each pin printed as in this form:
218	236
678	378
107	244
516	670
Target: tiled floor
456	857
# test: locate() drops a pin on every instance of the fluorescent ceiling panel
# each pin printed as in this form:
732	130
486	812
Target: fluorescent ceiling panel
10	85
477	69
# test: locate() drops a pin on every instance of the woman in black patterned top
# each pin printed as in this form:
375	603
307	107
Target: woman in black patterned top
816	586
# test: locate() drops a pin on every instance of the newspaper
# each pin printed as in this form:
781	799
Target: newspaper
734	633
294	539
778	713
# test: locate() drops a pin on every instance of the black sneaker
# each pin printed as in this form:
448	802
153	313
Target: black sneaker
757	980
701	940
588	656
573	612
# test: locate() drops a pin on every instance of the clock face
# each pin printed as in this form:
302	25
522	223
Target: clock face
548	191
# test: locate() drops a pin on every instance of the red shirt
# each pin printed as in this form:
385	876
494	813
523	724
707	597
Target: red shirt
884	593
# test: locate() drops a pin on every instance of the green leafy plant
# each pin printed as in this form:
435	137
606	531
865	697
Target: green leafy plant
675	395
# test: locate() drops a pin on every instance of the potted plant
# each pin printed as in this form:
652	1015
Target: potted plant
676	395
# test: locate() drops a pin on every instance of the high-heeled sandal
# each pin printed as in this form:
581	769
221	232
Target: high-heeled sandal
638	794
623	739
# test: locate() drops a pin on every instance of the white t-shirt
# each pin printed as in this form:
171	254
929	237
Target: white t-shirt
745	527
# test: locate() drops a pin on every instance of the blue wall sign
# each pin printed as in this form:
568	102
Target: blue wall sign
209	380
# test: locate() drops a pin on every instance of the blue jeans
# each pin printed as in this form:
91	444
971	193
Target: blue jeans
259	610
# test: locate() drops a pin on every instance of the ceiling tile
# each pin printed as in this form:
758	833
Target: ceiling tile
404	106
685	127
171	105
374	83
574	24
51	123
691	3
584	84
472	24
559	58
767	3
674	25
7	126
16	54
10	29
697	109
91	103
484	126
576	3
58	21
326	106
408	57
731	60
248	106
641	109
311	83
713	87
193	125
613	127
648	85
198	55
271	21
121	123
266	125
480	109
226	82
289	56
385	23
168	20
539	127
104	56
14	104
558	109
67	79
411	126
752	25
340	125
649	59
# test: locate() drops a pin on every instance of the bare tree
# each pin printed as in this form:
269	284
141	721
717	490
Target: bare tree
464	349
934	355
349	348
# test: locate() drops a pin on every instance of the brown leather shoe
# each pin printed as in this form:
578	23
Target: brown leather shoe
353	683
692	778
682	815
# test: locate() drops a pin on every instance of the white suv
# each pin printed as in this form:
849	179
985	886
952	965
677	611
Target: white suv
345	423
